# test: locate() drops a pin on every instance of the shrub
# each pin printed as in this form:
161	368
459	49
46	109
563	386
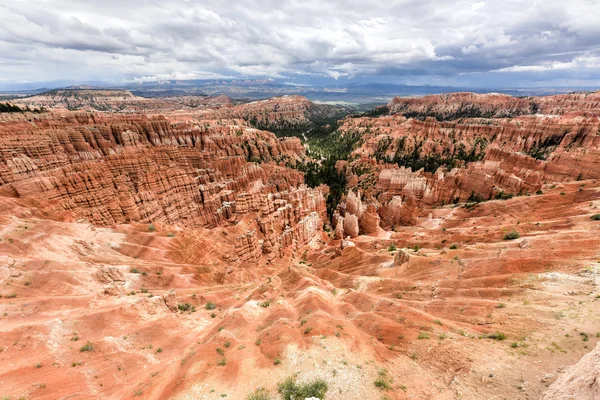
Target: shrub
171	235
500	305
512	235
265	303
222	362
277	361
423	335
151	228
392	247
539	192
87	347
184	307
220	351
291	390
453	246
383	381
259	394
134	271
210	306
226	344
496	336
596	217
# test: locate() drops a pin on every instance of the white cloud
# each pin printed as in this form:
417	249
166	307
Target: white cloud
138	40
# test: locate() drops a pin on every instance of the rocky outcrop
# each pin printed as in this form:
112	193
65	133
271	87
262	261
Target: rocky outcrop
434	163
117	100
580	381
449	106
111	169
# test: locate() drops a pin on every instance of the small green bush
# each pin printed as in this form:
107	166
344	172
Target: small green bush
222	362
496	336
596	217
453	246
87	347
184	307
265	303
392	247
210	306
512	235
383	381
290	389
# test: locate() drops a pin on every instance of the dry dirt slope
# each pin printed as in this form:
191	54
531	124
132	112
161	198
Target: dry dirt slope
432	323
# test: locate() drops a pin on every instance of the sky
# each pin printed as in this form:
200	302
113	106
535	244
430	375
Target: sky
488	43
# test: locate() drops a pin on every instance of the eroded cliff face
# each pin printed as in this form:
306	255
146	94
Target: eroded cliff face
450	106
404	166
117	100
111	170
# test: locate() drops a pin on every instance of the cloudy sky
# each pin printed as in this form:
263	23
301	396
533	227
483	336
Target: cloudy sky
495	43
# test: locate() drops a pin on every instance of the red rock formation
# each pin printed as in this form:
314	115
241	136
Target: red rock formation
461	105
490	157
121	169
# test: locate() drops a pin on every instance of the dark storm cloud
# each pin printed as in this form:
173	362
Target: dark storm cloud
448	40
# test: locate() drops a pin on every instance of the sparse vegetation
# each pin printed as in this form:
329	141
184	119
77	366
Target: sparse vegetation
222	362
383	381
290	389
453	246
512	235
265	303
186	307
392	247
87	347
259	394
496	336
595	217
423	335
210	306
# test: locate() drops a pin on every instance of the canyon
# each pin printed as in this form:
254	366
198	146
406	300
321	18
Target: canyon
201	247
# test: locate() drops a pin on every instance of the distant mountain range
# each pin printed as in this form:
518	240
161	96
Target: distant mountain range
357	93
